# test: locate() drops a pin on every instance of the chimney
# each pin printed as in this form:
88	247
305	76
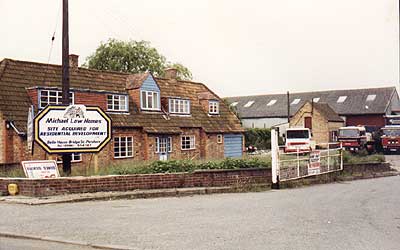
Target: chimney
171	73
73	61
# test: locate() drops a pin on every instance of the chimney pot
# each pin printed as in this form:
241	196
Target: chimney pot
171	73
73	61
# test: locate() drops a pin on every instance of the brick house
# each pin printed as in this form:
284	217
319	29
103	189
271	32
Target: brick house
320	118
153	118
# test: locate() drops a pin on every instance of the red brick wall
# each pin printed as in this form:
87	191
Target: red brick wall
211	178
370	120
90	99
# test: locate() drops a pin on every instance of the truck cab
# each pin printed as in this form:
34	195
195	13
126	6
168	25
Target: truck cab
355	138
297	140
390	138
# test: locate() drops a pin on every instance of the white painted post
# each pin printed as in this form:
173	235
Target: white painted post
274	156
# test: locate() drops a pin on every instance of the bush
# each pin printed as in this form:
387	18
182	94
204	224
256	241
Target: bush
350	158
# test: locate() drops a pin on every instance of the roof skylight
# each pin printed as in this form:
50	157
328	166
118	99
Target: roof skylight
233	104
341	99
248	104
370	98
295	101
316	99
272	102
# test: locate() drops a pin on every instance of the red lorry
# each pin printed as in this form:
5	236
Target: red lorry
355	138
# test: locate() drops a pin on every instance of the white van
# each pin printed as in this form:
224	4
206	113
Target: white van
298	139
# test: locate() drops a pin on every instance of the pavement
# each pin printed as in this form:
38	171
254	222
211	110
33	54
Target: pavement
357	215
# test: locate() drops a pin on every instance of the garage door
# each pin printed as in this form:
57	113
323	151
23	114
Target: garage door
233	144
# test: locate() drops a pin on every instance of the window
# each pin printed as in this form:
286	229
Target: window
213	107
188	142
248	104
220	138
371	98
179	106
295	101
76	157
123	147
316	99
48	97
233	104
150	100
272	102
163	144
341	99
117	103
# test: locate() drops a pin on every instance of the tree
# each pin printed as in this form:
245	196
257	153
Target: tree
133	57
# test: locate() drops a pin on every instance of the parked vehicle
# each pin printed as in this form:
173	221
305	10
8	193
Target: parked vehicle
297	139
390	138
356	138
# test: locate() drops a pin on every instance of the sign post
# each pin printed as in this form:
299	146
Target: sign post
72	129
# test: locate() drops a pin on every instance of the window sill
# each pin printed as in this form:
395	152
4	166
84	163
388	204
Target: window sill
118	112
188	149
123	157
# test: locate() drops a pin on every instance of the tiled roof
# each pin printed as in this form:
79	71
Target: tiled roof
355	104
17	76
327	112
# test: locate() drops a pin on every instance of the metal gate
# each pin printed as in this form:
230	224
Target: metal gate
289	166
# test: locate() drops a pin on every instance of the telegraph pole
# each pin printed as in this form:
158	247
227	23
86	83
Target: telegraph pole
66	158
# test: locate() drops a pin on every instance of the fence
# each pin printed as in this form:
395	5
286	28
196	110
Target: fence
326	158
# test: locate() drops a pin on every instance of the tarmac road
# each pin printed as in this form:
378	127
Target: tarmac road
358	215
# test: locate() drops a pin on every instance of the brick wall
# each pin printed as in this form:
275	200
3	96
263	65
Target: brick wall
210	178
370	120
90	99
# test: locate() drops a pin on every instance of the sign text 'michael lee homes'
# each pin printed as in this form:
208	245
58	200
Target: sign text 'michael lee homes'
75	128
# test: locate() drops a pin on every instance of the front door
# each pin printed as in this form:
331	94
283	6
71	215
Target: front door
164	147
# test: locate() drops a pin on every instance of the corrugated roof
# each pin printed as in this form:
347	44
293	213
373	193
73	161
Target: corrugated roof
355	104
328	112
17	76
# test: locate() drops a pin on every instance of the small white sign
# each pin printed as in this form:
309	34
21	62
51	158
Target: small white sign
40	169
314	166
72	129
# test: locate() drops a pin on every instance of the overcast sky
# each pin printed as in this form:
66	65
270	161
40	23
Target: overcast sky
235	47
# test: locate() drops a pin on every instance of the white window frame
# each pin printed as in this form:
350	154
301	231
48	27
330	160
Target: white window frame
213	107
144	102
76	157
116	103
169	144
179	106
295	101
220	138
341	99
117	144
188	138
57	94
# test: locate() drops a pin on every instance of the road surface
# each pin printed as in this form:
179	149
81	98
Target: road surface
360	215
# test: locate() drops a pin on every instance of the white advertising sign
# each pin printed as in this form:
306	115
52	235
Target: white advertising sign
314	166
72	129
40	169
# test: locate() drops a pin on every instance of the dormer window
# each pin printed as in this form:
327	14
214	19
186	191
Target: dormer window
179	106
117	103
150	100
213	107
48	97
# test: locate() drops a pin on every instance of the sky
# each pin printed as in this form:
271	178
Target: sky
235	47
